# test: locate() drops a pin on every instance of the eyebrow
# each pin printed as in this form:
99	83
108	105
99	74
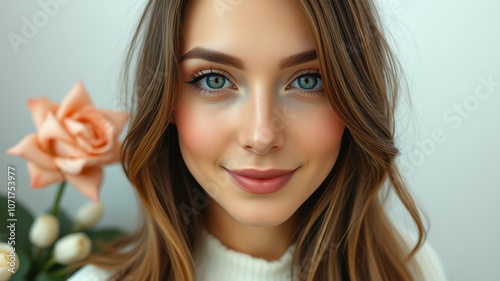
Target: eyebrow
219	57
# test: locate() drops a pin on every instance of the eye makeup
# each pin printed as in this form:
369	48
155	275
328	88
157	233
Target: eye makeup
200	76
306	82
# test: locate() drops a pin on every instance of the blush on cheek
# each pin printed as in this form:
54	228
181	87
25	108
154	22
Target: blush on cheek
322	134
198	134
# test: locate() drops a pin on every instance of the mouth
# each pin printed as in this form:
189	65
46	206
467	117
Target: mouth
260	181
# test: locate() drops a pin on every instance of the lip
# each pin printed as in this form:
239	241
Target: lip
261	181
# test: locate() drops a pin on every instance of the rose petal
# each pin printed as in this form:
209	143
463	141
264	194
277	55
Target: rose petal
41	177
88	182
66	150
86	113
107	158
29	149
117	118
70	166
52	129
114	155
74	101
93	147
99	141
74	127
39	107
76	165
96	123
92	142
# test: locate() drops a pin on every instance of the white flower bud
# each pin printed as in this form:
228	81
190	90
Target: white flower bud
9	262
44	231
72	248
89	214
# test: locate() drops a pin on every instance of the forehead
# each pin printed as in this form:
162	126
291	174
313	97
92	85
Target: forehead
246	28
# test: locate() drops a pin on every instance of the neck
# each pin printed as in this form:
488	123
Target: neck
269	242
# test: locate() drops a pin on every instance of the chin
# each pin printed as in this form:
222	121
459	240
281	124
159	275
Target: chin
261	216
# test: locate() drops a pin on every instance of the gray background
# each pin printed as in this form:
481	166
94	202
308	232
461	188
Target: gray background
447	50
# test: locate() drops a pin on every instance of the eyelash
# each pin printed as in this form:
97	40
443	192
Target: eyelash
200	74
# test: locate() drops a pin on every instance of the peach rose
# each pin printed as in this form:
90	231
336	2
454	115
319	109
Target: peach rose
73	141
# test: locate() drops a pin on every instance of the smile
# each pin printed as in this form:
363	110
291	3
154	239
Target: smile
261	182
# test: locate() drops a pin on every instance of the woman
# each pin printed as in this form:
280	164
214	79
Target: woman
261	139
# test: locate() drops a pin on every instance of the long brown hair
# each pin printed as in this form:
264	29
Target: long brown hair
344	231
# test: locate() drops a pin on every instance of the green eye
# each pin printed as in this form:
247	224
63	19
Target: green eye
214	81
211	82
308	82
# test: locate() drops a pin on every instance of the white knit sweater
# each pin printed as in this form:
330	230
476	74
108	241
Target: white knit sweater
216	262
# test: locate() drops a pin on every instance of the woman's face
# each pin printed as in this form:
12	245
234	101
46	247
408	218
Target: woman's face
249	102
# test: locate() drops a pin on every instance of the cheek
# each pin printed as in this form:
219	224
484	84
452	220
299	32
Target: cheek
320	133
200	133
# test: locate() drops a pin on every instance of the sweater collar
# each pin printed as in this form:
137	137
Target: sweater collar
214	261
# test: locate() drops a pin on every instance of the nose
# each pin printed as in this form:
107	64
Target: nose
261	131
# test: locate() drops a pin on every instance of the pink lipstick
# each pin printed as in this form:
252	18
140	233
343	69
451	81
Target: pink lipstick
261	181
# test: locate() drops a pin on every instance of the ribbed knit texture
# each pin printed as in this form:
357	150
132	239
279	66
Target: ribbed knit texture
215	262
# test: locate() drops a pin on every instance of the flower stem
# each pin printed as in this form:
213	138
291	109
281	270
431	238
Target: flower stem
49	264
38	253
60	191
77	228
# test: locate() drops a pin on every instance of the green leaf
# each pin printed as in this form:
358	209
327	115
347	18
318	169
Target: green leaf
105	235
24	266
52	276
22	225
